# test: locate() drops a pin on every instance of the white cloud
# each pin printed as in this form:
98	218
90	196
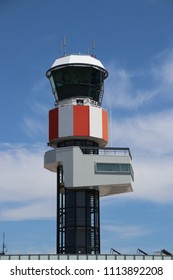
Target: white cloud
153	179
150	139
127	231
146	134
162	68
40	101
121	90
34	126
25	186
42	209
120	235
146	130
40	85
127	89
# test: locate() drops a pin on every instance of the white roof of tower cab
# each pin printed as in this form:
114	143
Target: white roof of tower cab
78	59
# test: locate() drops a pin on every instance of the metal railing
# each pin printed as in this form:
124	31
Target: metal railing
84	257
106	151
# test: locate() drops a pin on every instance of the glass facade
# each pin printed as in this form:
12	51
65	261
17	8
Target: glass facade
117	168
77	81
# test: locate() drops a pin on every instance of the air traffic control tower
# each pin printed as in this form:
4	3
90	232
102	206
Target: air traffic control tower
86	169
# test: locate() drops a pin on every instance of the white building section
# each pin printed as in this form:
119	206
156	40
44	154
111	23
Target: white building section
78	59
65	121
96	122
110	174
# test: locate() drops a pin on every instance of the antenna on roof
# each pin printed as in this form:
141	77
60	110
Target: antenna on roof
4	250
60	49
93	47
64	45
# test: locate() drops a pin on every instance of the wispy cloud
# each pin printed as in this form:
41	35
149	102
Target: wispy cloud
128	89
40	85
24	179
148	128
150	139
34	127
43	208
40	101
146	134
153	179
126	231
162	68
121	90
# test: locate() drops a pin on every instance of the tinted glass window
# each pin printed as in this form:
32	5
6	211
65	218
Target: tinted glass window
78	81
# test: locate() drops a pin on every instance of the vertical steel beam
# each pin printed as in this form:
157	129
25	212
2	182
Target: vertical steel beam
58	211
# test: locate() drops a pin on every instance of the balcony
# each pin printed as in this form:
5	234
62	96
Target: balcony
108	170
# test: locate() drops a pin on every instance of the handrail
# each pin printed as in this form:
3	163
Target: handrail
107	150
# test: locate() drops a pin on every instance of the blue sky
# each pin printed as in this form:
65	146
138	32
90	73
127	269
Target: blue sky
134	41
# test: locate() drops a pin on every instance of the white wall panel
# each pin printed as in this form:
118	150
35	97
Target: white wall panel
95	122
65	121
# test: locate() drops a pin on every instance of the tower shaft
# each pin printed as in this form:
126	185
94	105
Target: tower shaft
78	219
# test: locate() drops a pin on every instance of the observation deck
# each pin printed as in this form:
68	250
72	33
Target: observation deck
108	170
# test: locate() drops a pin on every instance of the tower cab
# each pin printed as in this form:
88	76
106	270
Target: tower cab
77	77
78	119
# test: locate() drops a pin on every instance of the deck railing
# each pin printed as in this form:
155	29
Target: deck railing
107	151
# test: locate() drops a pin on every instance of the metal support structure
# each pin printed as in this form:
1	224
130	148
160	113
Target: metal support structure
82	226
60	214
78	219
